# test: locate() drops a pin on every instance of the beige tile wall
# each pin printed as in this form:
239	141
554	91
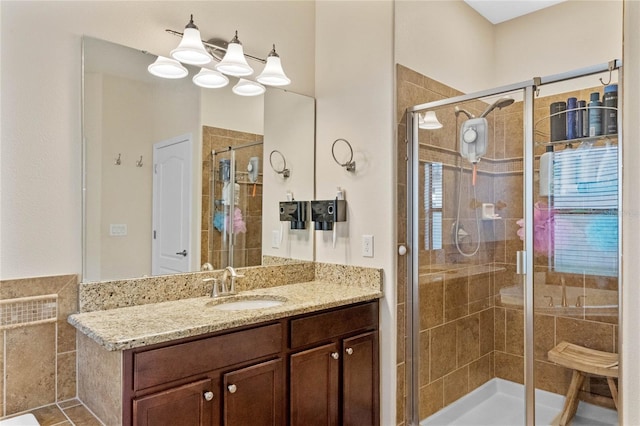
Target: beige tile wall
38	360
249	244
466	335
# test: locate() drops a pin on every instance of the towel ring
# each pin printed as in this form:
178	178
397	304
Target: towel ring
350	165
284	172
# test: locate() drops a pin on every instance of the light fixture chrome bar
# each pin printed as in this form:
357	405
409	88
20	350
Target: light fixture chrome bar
218	48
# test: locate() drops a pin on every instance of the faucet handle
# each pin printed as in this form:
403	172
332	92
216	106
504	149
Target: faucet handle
578	303
550	301
214	290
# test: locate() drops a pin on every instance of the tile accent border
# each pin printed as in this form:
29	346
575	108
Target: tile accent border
28	311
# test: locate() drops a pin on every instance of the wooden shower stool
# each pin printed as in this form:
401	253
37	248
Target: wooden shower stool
584	361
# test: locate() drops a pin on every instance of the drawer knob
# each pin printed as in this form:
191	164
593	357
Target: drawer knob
335	355
349	351
232	388
208	395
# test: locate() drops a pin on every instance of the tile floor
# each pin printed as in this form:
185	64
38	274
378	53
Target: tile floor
66	413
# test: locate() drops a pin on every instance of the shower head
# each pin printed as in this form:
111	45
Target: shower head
500	103
457	110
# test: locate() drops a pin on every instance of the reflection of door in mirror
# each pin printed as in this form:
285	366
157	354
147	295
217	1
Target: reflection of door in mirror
231	198
171	214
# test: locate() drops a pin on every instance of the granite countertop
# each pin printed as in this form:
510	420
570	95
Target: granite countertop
137	326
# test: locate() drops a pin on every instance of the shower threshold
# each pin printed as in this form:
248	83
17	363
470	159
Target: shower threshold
501	403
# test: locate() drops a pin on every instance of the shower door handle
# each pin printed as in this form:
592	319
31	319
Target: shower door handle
521	262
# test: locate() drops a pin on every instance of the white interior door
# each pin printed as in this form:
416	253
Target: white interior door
172	176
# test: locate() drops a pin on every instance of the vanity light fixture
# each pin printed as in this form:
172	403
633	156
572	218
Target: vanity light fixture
273	74
191	50
246	87
429	121
232	61
167	68
210	79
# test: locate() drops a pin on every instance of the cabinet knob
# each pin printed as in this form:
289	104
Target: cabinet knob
335	355
208	396
349	351
232	388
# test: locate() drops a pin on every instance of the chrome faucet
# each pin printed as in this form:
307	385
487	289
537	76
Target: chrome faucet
230	275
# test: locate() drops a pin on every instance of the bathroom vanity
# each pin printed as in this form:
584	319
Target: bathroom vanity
313	359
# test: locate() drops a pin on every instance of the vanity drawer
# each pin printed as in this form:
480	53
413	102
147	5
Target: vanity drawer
328	325
175	362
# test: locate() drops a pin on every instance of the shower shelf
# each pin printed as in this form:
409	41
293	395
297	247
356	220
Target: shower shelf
613	138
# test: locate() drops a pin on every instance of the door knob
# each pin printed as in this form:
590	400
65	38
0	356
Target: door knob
208	395
232	388
182	253
349	351
335	355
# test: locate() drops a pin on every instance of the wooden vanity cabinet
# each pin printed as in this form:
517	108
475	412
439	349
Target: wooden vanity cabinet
314	369
224	379
334	378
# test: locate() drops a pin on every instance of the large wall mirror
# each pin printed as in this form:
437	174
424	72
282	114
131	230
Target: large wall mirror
216	153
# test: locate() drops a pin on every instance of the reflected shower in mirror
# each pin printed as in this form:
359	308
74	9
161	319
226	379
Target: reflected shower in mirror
131	219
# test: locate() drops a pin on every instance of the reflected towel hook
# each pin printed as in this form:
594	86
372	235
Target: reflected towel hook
612	66
284	171
350	165
139	162
118	160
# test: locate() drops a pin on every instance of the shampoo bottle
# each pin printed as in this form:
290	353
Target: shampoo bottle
610	115
546	172
595	115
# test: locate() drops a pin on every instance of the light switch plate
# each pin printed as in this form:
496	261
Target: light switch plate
117	230
367	245
275	239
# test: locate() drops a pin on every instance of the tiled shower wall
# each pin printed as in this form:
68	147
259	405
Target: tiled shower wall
37	344
249	245
467	335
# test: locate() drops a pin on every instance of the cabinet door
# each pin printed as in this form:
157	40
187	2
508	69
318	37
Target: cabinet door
188	405
360	390
314	386
255	395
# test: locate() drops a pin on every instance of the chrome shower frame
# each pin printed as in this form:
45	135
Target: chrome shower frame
529	88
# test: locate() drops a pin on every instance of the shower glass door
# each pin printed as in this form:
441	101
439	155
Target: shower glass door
514	230
468	212
234	216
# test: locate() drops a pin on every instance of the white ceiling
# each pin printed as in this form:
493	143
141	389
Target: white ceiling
496	11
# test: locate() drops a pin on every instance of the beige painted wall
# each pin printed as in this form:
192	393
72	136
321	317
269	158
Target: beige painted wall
354	91
447	41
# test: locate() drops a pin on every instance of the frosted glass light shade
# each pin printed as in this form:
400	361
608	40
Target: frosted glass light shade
248	88
210	79
273	74
191	50
234	63
167	68
429	121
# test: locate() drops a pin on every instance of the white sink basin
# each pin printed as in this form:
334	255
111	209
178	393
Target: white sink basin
243	303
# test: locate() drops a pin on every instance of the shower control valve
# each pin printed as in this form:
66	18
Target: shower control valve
470	135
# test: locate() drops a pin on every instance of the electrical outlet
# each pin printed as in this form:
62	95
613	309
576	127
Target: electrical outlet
367	245
275	239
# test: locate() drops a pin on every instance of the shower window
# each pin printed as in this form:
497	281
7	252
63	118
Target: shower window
585	215
433	206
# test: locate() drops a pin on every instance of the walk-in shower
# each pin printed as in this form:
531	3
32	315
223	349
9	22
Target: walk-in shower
501	271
